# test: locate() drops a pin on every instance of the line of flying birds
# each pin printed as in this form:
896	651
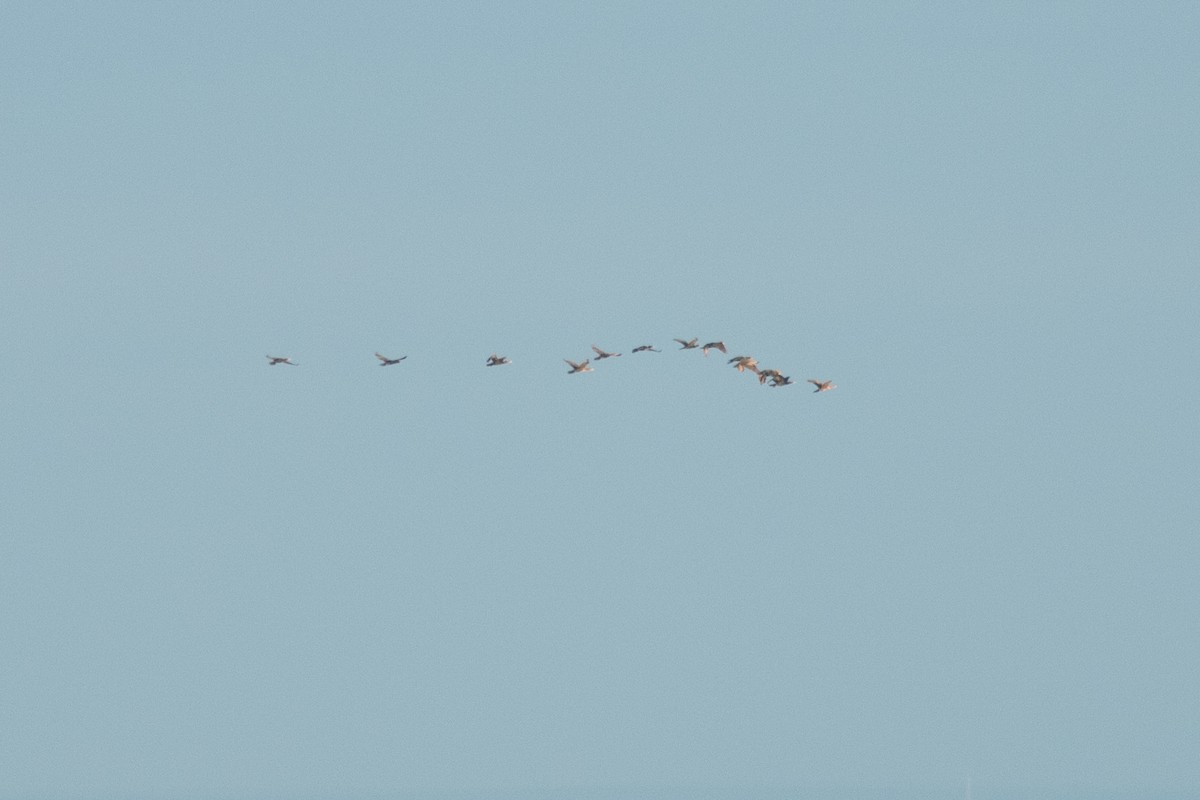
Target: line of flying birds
770	377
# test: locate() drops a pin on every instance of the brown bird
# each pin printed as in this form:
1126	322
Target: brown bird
647	348
601	355
768	374
387	362
822	386
743	363
715	346
281	360
690	344
578	367
494	360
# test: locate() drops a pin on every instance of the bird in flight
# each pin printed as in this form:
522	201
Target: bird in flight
714	346
688	345
281	360
647	348
578	367
822	386
387	362
601	355
495	360
776	377
743	363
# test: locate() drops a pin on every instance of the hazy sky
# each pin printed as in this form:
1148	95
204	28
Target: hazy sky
976	559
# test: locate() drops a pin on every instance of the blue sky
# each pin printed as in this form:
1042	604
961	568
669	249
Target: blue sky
975	559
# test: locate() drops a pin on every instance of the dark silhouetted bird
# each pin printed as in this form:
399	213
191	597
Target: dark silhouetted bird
387	362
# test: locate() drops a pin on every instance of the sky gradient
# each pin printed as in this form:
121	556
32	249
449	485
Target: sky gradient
975	559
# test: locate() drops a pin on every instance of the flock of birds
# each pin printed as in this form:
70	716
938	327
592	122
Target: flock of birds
769	377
